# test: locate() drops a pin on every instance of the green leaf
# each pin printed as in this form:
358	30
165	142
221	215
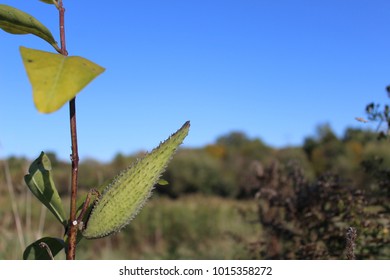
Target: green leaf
55	78
162	182
40	182
48	1
125	196
36	252
15	21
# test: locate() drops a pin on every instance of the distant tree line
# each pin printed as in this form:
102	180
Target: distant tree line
226	167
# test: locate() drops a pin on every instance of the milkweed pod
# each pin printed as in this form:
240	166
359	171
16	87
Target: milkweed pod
123	198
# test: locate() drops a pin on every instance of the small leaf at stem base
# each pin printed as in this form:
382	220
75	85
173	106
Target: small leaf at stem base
36	252
40	182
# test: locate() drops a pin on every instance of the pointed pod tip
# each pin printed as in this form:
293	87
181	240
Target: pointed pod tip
187	124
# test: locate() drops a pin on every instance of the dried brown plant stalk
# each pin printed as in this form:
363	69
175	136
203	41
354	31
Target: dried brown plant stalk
351	238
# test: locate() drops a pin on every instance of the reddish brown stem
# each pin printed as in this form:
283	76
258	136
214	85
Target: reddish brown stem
86	204
72	230
72	234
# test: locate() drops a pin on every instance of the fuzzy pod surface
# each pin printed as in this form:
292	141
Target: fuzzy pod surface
122	199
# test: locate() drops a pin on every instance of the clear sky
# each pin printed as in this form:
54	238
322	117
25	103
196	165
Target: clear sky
271	69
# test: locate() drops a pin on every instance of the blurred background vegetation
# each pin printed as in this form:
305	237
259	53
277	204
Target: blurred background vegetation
234	199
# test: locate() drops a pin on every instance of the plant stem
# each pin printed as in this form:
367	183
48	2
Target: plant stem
72	234
72	229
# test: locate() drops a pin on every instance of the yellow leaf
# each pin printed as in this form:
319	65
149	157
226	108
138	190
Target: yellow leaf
55	78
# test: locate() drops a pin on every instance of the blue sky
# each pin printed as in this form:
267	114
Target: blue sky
271	69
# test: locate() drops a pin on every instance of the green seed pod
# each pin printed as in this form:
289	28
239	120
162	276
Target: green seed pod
127	193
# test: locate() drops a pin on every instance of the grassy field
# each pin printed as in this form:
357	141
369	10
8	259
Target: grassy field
193	227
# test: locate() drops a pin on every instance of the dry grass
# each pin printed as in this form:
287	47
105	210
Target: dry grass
194	227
